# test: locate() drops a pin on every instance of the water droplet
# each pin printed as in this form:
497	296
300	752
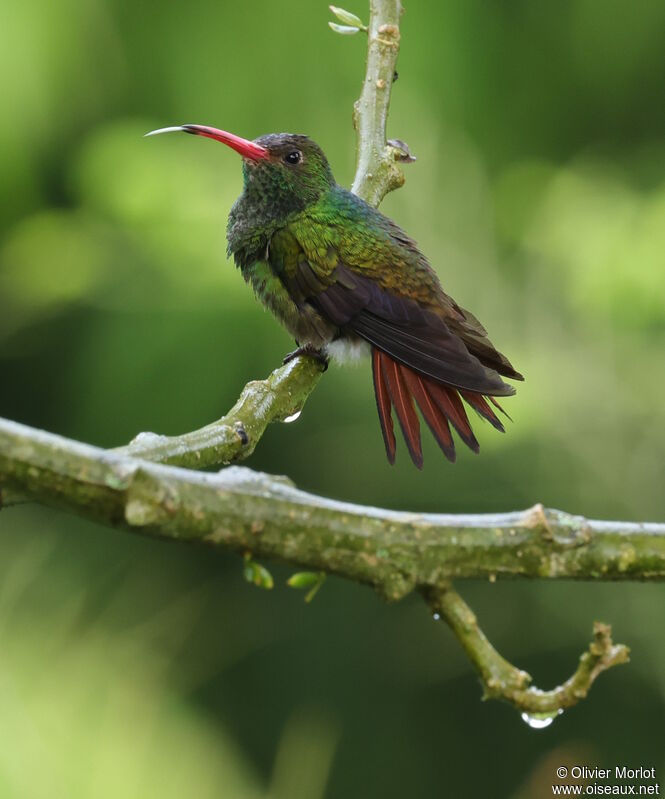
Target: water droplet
436	616
538	721
293	417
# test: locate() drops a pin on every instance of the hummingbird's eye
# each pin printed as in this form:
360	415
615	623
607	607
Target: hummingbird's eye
293	157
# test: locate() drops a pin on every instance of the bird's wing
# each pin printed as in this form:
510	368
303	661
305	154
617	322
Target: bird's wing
376	284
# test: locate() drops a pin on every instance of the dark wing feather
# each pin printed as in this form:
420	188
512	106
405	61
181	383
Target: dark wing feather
474	336
413	335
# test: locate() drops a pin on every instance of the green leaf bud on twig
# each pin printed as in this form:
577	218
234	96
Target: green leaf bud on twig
311	580
257	574
347	18
345	30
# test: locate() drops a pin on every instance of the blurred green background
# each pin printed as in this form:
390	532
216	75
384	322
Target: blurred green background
135	668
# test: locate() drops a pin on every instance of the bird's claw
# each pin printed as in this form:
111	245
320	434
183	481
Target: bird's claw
312	352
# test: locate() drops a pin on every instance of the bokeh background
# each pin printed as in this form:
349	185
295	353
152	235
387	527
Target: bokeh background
135	668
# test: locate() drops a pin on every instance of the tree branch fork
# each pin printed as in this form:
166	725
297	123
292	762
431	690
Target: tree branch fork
395	552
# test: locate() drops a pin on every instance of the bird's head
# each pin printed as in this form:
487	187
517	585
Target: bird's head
288	169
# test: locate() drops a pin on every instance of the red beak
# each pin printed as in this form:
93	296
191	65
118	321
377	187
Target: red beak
246	148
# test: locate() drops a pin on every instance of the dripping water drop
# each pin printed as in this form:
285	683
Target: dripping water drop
436	616
539	721
293	417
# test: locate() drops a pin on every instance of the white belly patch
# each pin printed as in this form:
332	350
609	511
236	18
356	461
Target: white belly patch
345	351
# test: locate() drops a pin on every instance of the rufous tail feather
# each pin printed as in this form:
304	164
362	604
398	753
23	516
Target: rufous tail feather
402	388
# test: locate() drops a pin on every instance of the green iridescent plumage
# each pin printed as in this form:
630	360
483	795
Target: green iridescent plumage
333	269
294	231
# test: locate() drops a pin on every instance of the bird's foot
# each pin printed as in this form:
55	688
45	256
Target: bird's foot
312	352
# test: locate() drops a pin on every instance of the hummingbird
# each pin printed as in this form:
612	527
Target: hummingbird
345	280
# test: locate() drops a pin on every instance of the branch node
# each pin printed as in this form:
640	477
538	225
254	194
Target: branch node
241	433
399	151
140	513
535	519
396	586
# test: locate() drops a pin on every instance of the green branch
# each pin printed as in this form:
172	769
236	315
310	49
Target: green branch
235	436
393	551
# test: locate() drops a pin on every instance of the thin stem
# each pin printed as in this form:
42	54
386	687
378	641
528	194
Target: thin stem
501	680
377	172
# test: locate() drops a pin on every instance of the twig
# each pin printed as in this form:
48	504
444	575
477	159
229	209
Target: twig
377	172
235	436
501	680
